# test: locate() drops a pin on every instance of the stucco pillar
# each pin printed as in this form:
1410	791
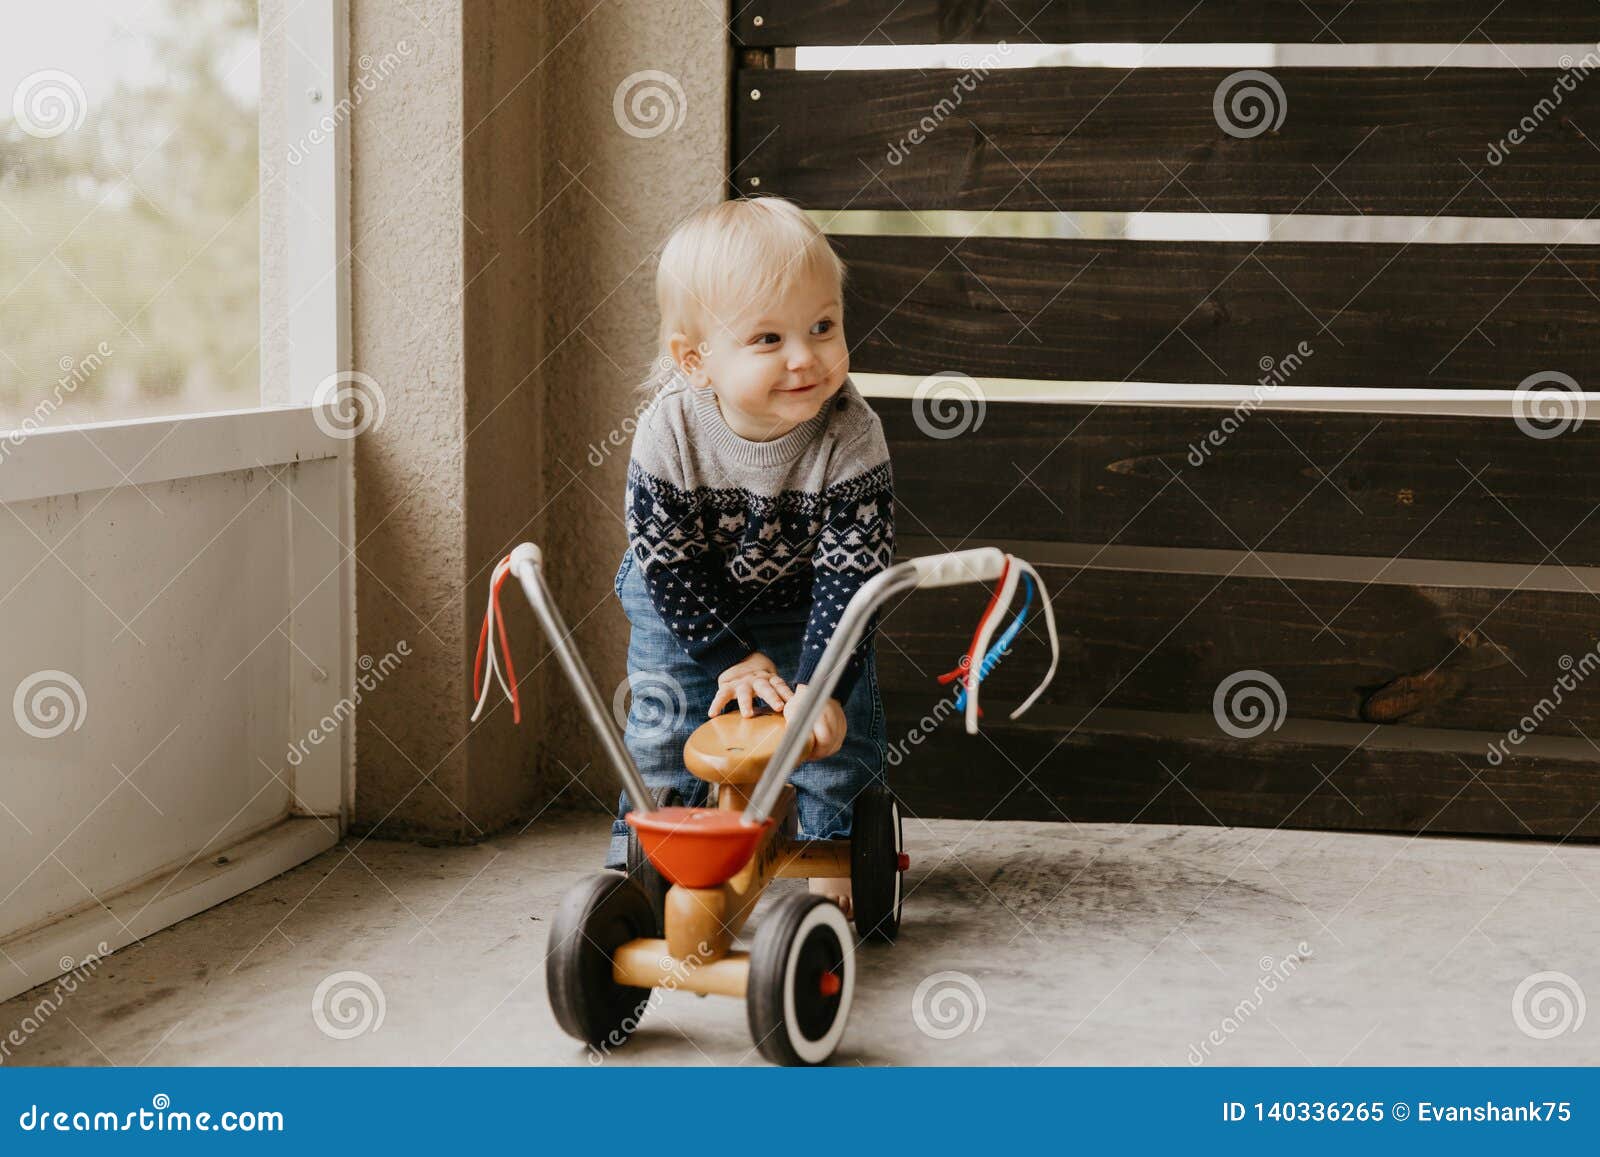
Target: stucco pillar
636	137
504	222
443	289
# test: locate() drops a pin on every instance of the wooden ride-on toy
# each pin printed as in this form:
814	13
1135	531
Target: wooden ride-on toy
695	874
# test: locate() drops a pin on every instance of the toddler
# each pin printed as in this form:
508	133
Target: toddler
758	501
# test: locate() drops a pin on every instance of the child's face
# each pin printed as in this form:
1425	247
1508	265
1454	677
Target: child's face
777	363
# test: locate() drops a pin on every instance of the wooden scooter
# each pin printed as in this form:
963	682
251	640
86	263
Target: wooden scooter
695	874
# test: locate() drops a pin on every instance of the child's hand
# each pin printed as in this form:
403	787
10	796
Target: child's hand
751	676
827	733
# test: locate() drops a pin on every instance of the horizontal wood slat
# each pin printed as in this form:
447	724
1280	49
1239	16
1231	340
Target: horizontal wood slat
1444	657
1295	481
1346	141
1419	316
873	22
1012	772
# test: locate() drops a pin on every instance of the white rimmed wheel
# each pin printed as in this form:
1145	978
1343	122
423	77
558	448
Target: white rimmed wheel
597	916
877	865
641	871
802	980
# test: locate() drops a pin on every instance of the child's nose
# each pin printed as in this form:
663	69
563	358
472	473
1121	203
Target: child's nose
801	355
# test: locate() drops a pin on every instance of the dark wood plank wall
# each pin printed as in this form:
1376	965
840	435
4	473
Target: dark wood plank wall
1381	656
1295	481
1414	656
1052	773
847	22
1397	316
1346	141
1371	668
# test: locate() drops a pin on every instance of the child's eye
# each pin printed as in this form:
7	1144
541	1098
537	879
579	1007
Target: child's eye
826	324
761	339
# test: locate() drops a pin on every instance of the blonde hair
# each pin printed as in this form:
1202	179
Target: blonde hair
724	256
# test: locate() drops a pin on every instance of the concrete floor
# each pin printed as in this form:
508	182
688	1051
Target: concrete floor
1102	944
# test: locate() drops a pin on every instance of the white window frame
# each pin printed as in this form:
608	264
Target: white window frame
314	96
315	93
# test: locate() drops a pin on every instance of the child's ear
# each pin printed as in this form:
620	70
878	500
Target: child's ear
691	358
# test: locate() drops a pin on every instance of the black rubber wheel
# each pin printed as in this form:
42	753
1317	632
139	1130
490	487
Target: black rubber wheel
802	980
597	916
876	882
641	871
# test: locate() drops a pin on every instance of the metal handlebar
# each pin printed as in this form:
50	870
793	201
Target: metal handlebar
983	564
527	565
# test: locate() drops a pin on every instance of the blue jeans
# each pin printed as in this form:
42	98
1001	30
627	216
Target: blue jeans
672	693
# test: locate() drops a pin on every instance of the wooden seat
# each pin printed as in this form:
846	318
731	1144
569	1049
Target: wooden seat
733	749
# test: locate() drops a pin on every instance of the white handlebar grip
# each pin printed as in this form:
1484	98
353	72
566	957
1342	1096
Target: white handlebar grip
525	554
979	565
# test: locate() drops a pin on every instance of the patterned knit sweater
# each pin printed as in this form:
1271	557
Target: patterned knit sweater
723	526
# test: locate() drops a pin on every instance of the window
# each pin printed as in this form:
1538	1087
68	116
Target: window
129	223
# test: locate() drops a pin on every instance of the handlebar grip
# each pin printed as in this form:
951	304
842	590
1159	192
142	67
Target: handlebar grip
524	554
979	565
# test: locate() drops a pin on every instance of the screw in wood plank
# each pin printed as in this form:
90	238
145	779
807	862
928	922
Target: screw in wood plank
755	94
759	21
755	182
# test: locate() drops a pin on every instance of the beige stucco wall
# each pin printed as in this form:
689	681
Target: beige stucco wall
406	274
503	228
613	199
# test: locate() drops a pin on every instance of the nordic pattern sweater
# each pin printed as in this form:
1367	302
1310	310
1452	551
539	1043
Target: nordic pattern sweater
724	527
